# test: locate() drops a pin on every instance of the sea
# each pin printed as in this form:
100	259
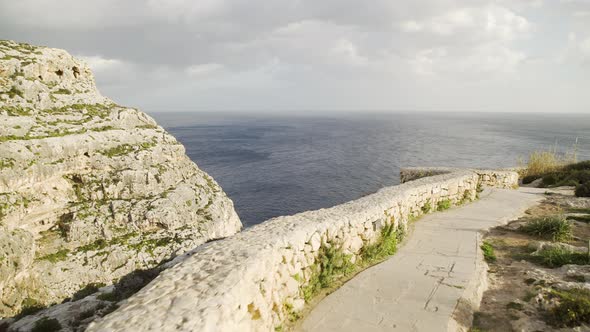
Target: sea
281	164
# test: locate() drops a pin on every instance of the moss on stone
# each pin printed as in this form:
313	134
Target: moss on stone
62	91
58	256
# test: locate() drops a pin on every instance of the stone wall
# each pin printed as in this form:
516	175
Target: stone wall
254	281
503	178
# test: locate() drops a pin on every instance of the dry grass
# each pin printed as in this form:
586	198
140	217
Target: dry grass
543	162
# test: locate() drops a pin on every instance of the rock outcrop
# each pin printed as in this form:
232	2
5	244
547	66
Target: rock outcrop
90	191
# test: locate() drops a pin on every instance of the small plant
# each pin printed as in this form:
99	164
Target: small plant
573	308
63	92
488	252
29	307
479	187
88	290
555	228
583	190
427	207
385	246
56	257
466	197
443	205
558	256
46	325
331	264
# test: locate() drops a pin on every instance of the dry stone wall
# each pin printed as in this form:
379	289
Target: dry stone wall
255	280
503	178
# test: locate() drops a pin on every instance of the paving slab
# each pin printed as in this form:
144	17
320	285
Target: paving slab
419	288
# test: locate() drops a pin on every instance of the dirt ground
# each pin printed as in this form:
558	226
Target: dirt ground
517	296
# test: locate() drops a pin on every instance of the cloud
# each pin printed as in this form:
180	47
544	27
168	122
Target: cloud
98	64
203	69
304	51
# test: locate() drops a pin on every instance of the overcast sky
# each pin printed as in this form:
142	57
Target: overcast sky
322	55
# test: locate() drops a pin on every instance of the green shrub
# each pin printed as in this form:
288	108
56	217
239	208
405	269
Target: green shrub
29	306
583	190
557	257
426	207
488	252
573	308
331	264
555	228
443	205
88	290
46	325
385	246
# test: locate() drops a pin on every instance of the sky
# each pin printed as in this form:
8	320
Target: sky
290	56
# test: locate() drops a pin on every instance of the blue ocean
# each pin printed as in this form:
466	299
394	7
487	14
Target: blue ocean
280	165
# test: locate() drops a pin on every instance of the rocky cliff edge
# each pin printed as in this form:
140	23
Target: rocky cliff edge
90	191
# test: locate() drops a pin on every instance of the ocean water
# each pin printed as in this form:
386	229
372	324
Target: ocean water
281	165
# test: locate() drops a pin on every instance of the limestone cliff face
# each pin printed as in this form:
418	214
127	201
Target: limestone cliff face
89	190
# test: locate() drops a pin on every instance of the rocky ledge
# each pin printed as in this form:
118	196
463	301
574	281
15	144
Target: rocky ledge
90	191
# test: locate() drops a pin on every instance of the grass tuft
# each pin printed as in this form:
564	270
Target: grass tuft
573	308
46	325
385	246
488	252
557	257
555	228
443	205
331	264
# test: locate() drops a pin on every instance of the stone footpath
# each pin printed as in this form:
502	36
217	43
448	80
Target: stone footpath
433	282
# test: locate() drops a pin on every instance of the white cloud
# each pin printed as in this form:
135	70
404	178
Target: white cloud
306	50
203	69
99	64
489	22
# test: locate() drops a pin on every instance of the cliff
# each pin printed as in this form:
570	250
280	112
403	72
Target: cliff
90	191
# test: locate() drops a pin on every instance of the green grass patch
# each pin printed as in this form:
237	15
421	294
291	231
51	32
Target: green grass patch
573	308
29	306
62	92
88	290
125	149
556	257
555	228
443	205
488	252
332	264
16	110
427	207
583	189
59	256
385	246
585	218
